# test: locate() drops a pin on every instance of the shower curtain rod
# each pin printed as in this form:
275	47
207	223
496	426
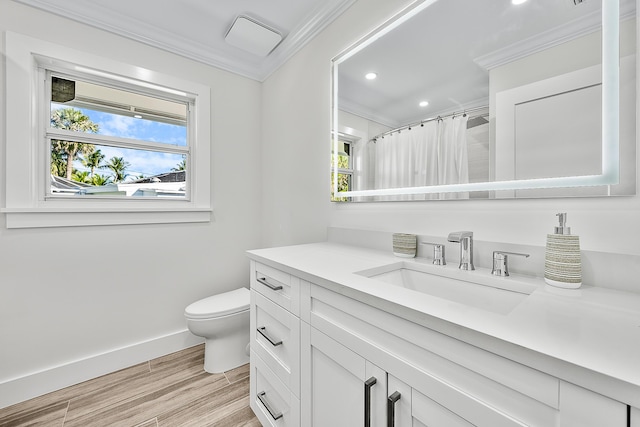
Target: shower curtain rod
421	122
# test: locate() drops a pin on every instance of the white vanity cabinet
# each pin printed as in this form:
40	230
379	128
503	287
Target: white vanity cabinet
320	358
458	382
275	346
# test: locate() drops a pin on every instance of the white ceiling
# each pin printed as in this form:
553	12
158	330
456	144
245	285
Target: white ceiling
450	38
196	28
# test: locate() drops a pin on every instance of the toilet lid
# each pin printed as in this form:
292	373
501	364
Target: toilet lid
219	305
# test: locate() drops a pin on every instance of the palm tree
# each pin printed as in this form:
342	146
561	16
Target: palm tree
93	161
75	120
81	176
181	166
118	166
58	163
99	180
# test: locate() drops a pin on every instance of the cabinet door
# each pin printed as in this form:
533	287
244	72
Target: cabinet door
635	417
410	408
580	407
341	381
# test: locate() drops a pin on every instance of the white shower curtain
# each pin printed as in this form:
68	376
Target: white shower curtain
433	154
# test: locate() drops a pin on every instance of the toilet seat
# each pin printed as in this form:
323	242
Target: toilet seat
219	305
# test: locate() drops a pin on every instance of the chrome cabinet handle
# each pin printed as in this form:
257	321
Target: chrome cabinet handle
367	400
262	398
263	280
391	406
263	331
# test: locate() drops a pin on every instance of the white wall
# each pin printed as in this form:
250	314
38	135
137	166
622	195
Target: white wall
604	224
67	294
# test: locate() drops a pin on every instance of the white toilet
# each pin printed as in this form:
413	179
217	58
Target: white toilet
223	320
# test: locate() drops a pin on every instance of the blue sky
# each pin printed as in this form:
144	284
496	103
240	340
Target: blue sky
145	163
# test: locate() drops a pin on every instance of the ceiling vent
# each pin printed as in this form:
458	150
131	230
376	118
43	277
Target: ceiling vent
252	36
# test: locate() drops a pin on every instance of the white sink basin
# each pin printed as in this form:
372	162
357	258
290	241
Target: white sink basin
477	289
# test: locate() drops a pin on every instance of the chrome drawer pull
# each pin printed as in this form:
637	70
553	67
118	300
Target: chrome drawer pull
262	398
263	280
263	331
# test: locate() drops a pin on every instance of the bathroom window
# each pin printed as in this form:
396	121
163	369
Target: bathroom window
343	159
114	143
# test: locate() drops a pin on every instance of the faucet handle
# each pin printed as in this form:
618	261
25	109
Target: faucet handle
457	236
438	253
500	264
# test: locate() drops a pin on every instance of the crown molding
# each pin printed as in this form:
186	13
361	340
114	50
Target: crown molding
366	113
588	24
240	63
310	27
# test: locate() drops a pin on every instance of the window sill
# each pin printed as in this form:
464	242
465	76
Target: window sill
59	217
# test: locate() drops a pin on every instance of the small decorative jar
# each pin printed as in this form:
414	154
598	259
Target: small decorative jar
404	245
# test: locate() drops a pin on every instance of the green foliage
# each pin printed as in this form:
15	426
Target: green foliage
74	120
93	161
181	166
99	180
58	163
118	166
344	180
81	176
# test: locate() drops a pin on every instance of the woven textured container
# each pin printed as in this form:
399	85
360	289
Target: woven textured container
562	261
404	245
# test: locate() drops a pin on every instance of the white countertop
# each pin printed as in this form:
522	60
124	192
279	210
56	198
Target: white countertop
589	336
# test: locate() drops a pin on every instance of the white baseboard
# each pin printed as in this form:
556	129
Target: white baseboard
54	378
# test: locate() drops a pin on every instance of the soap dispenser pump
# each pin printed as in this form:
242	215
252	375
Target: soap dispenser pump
562	261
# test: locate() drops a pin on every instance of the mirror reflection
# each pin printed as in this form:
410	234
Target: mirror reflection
482	91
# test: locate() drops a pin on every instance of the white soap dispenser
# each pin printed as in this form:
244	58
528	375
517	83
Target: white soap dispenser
562	260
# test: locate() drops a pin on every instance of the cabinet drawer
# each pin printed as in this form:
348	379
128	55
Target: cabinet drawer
275	337
270	399
278	286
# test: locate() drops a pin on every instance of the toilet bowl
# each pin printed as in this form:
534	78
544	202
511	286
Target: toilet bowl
223	321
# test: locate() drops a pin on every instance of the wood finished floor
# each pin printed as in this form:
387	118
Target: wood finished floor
169	391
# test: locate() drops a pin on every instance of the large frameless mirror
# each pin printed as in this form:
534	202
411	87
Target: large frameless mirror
462	99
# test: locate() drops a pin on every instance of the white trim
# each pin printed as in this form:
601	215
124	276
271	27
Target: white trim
26	205
53	378
38	218
105	19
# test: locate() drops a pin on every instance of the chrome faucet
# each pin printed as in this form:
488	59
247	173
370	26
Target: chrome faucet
465	238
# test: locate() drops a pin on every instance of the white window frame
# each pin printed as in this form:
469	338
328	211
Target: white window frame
27	150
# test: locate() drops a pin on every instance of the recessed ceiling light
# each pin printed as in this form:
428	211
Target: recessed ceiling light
370	76
518	1
423	103
137	116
